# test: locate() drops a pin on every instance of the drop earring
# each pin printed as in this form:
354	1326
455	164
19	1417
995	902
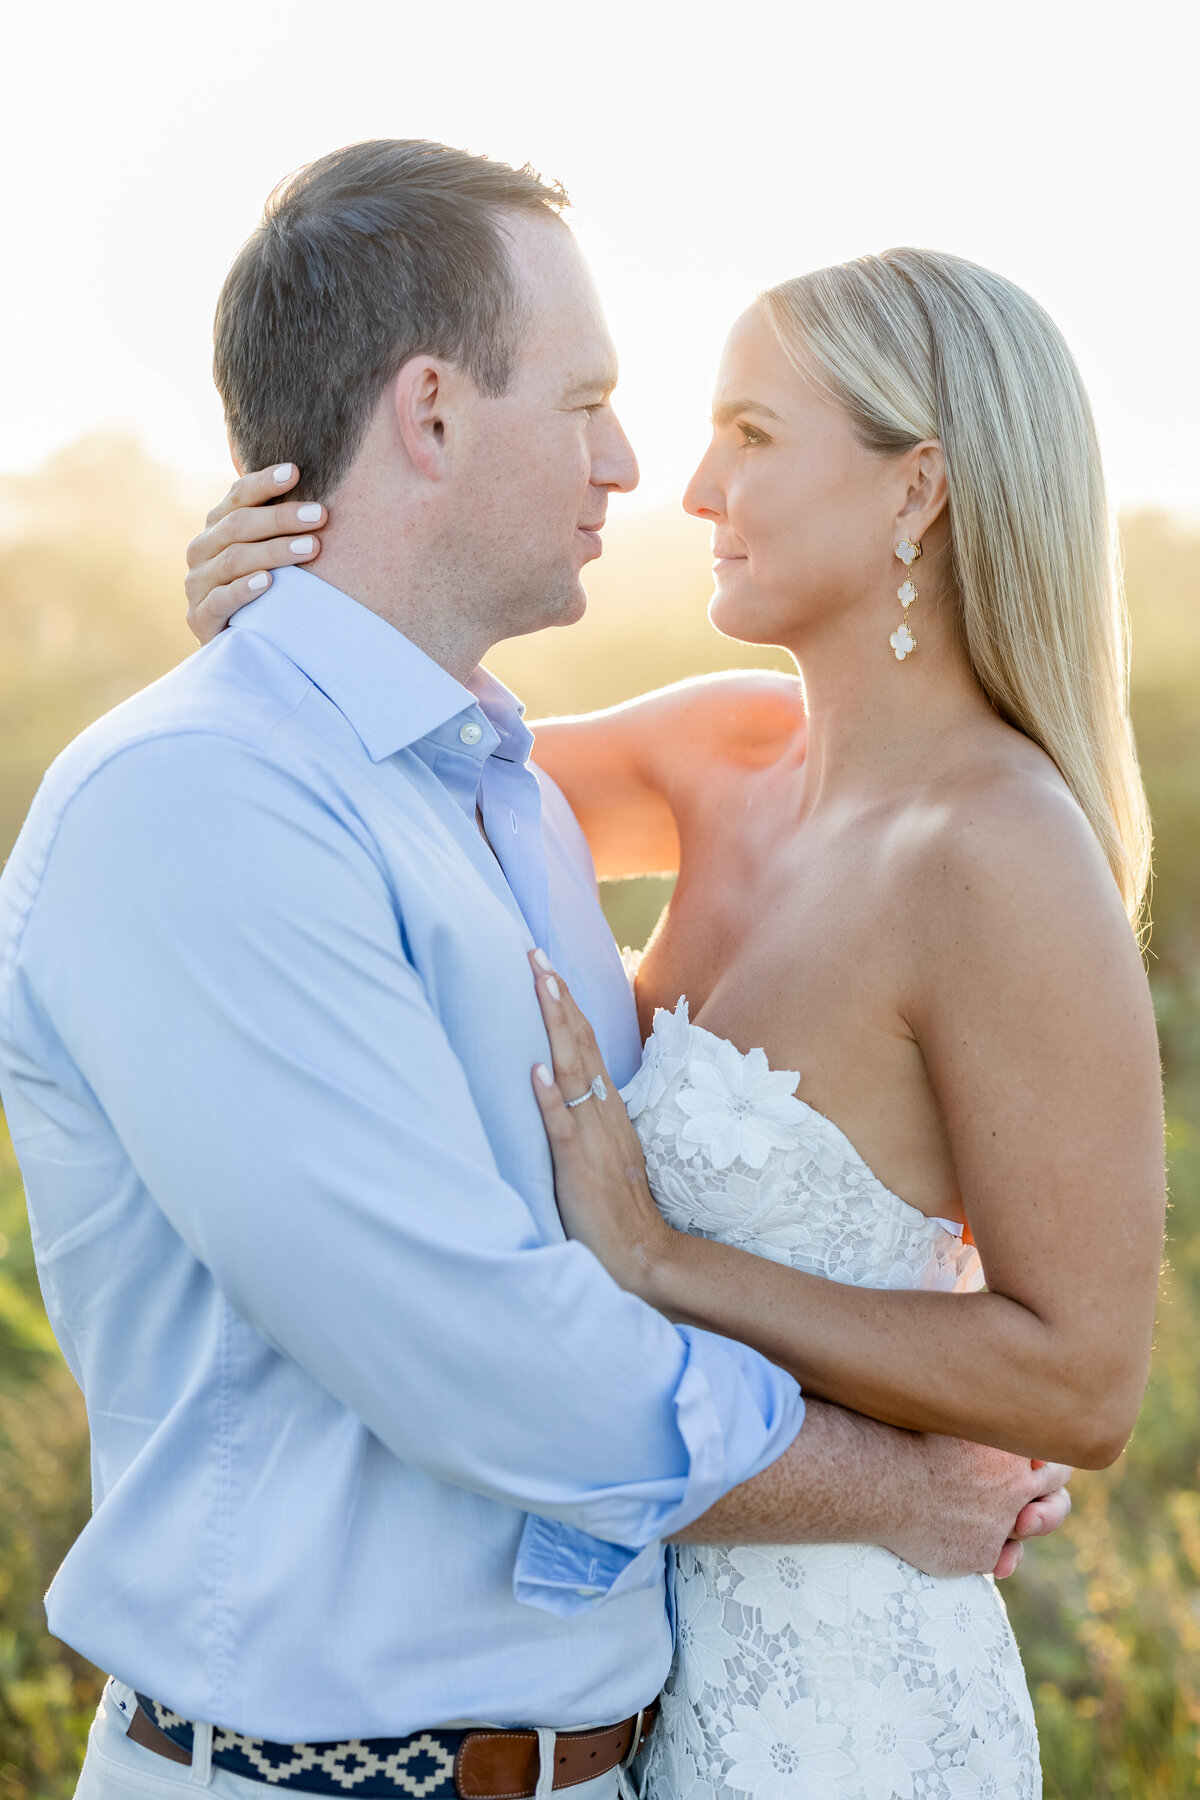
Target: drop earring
902	640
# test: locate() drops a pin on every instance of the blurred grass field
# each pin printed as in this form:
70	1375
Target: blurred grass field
1108	1613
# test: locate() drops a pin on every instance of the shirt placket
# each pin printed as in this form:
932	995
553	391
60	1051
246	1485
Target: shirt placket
511	804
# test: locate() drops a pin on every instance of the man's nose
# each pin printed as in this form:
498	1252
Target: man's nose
616	467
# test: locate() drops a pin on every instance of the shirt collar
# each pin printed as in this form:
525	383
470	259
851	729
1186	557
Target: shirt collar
505	713
389	690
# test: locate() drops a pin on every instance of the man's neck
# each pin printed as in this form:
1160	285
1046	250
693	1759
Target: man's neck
395	574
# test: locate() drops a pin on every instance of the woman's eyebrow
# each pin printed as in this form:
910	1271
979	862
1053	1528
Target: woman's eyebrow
728	411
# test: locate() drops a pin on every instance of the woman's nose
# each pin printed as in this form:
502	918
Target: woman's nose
702	496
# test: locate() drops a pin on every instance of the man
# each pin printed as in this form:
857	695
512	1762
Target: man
383	1466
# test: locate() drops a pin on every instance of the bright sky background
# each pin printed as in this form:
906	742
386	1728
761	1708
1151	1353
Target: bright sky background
709	150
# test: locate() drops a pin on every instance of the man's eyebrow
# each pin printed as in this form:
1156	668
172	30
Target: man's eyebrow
599	384
728	411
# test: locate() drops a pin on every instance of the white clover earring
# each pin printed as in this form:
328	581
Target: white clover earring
902	640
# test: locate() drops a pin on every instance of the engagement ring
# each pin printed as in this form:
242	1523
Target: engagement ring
598	1089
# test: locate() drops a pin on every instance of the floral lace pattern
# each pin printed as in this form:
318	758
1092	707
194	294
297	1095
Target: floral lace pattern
815	1672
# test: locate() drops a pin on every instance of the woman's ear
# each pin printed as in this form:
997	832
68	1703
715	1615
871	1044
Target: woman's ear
420	395
928	490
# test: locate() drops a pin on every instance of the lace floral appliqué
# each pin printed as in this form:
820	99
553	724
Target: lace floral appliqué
815	1672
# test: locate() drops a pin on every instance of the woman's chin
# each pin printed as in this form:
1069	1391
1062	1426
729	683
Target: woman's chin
739	615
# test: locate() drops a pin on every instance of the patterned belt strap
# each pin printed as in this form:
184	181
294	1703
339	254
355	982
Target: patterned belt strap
420	1767
428	1765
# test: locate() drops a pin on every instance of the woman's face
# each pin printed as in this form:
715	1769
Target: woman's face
803	514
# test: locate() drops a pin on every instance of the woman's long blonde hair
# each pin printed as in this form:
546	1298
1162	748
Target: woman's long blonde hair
915	344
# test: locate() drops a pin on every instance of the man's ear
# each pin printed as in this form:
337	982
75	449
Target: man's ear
420	398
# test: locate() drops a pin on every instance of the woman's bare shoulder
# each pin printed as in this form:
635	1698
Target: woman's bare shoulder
1004	855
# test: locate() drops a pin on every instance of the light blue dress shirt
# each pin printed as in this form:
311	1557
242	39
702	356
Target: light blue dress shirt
374	1447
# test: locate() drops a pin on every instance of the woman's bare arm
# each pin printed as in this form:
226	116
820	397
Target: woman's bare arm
632	771
1028	1000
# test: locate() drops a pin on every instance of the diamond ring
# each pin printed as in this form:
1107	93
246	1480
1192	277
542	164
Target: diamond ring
598	1091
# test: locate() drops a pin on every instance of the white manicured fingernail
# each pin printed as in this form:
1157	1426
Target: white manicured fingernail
256	582
544	1076
552	988
283	472
308	515
300	546
542	960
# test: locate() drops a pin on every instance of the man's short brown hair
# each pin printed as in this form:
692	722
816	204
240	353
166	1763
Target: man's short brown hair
376	253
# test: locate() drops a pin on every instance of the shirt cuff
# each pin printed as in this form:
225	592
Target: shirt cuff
736	1414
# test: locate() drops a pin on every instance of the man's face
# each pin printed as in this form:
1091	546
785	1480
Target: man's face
534	468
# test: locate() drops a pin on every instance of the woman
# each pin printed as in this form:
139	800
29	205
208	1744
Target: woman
917	879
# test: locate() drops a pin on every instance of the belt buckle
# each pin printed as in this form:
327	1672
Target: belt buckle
636	1744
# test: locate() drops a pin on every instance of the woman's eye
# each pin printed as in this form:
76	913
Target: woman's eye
751	436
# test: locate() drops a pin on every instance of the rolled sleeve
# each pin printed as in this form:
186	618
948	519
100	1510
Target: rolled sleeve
732	1429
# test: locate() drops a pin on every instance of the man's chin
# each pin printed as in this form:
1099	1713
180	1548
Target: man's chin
566	609
569	613
575	606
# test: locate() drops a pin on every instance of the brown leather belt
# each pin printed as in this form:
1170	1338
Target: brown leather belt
489	1765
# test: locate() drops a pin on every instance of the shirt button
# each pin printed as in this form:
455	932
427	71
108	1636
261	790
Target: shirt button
471	734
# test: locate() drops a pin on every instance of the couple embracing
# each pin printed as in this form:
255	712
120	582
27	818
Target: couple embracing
502	1382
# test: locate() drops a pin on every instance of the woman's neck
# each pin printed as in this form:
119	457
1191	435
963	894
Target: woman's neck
874	721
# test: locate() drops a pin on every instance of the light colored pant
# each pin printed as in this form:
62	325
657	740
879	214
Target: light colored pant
115	1769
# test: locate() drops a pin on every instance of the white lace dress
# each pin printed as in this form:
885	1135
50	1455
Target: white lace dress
831	1672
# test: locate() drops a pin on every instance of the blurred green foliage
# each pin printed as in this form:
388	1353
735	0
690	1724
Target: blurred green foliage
1108	1612
47	1693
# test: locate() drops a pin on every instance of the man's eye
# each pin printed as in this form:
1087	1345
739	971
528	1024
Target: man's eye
595	407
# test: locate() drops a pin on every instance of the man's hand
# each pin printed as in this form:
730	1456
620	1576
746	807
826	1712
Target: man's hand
1034	1520
948	1507
981	1506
